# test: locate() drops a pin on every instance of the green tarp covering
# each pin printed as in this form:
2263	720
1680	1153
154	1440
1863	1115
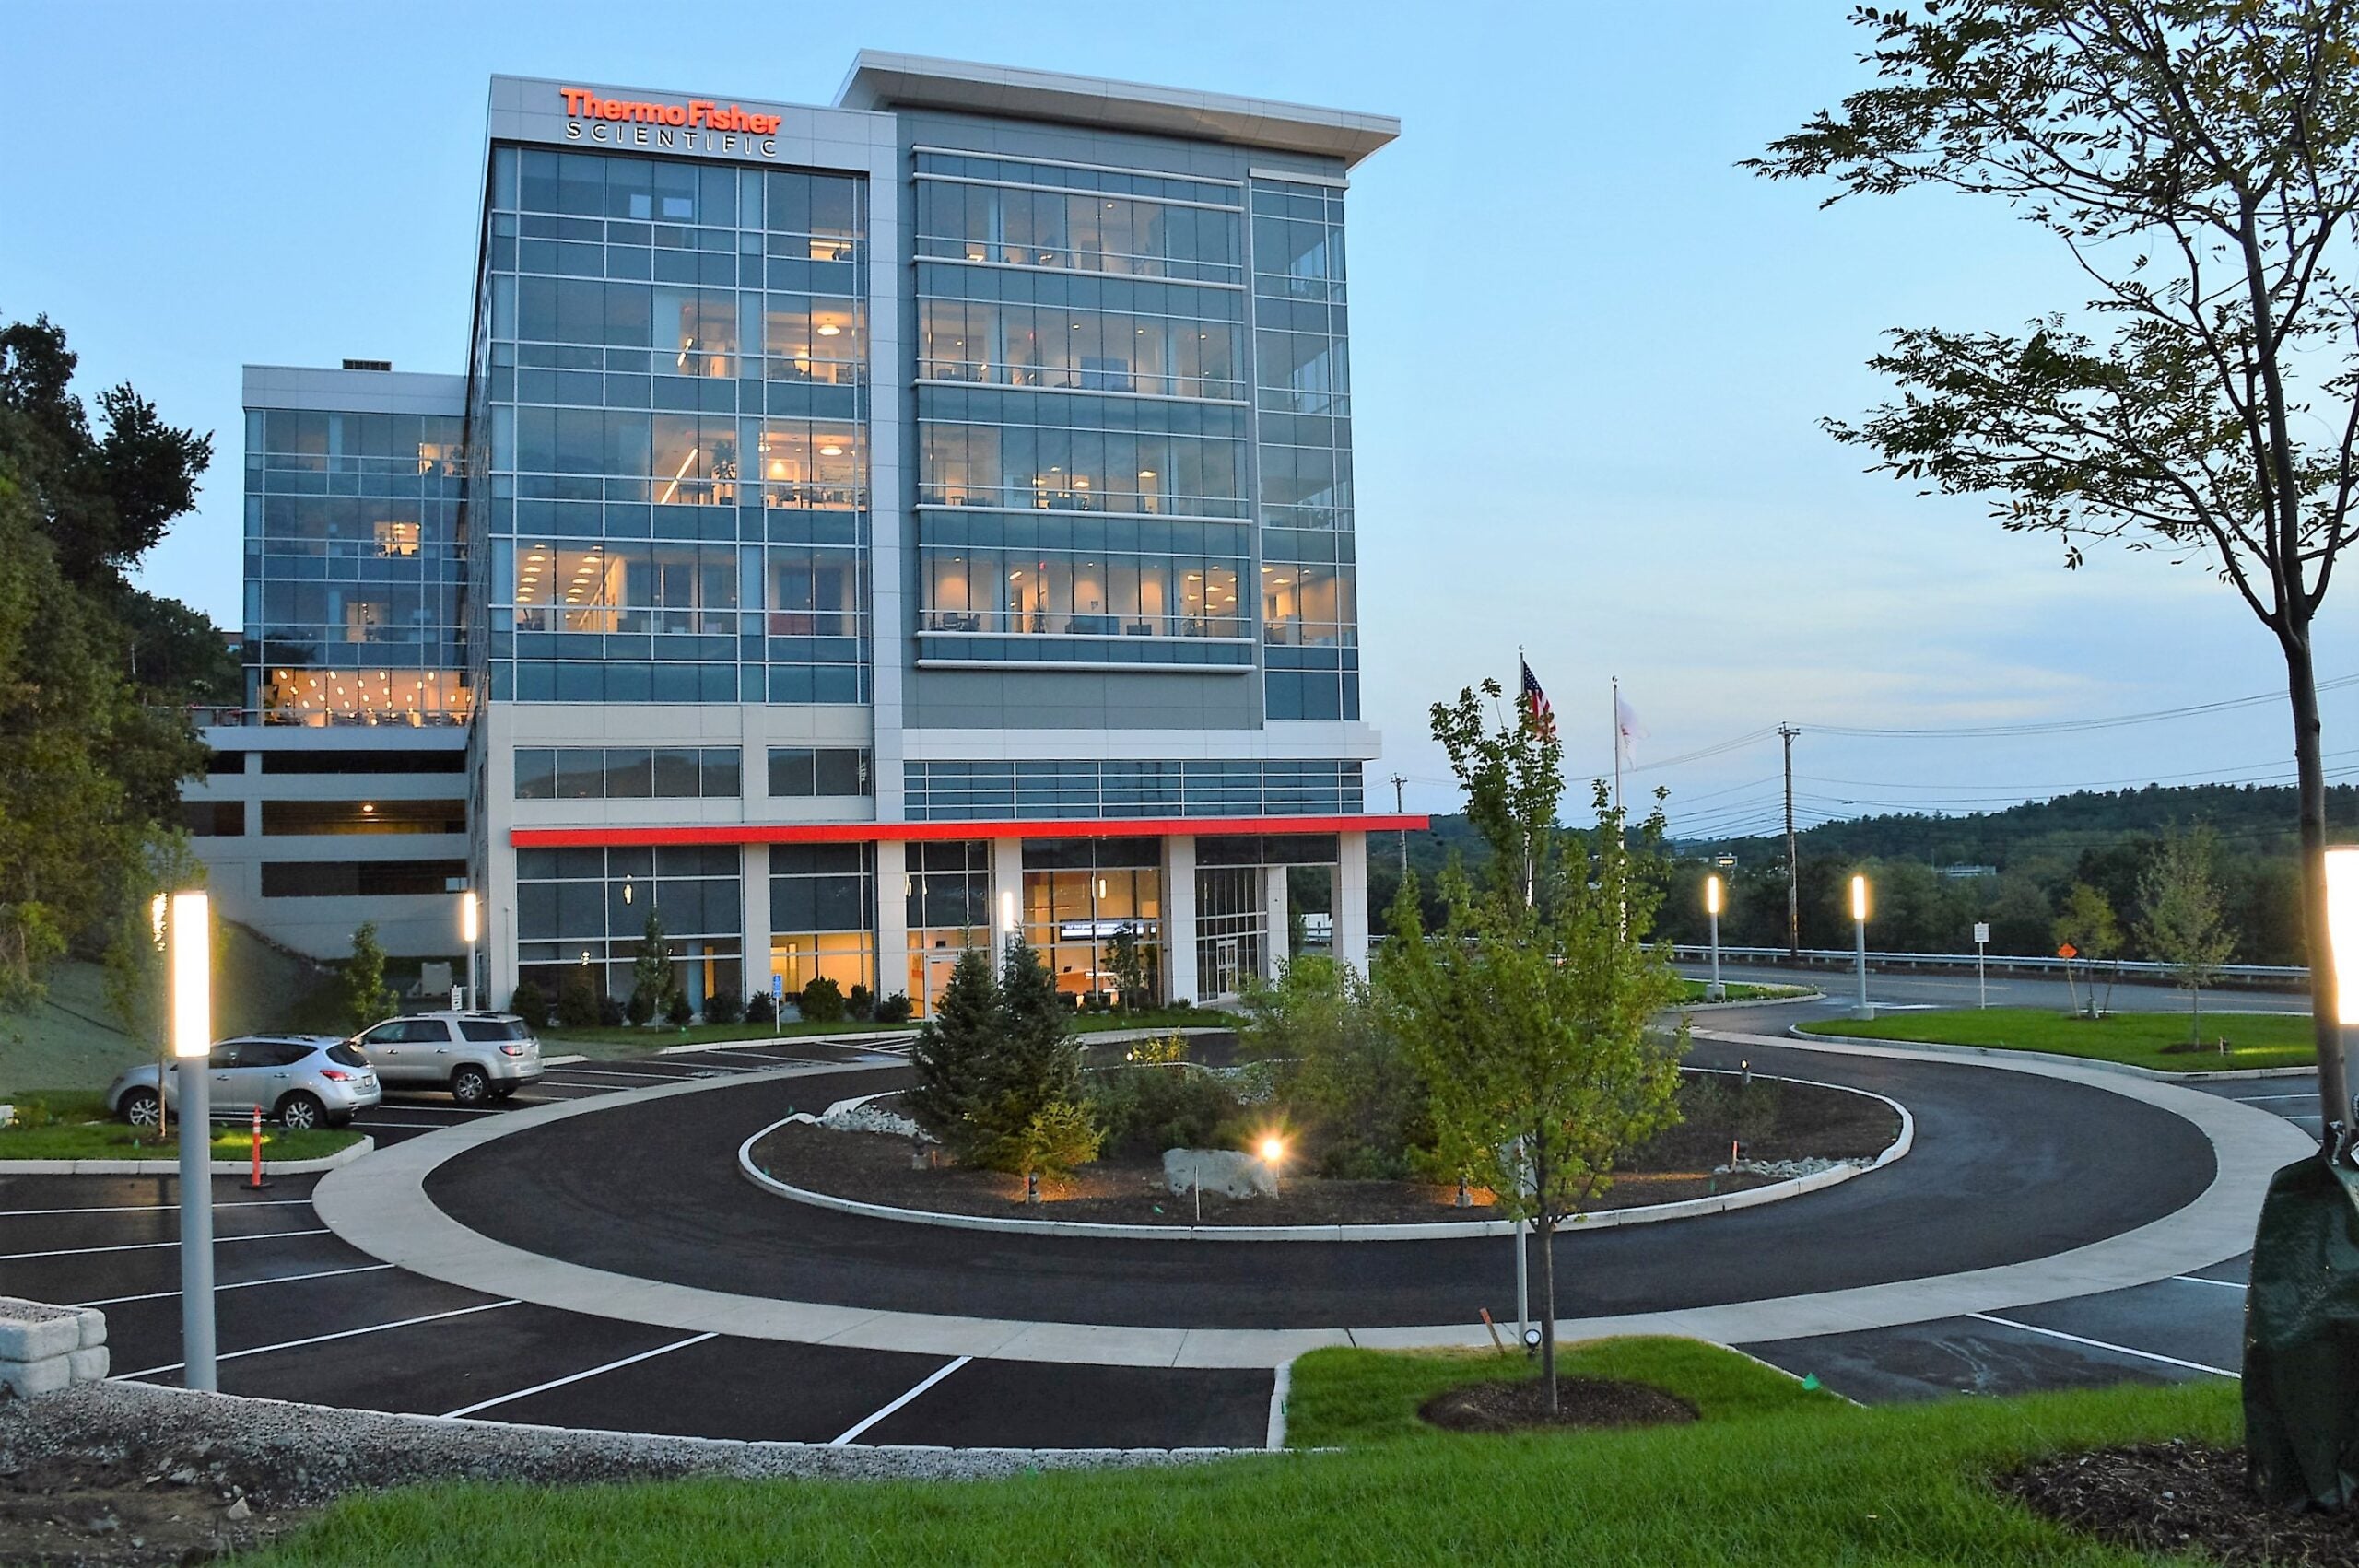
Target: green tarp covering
2302	1340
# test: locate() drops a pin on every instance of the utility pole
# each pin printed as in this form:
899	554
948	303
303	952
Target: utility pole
1400	810
1787	733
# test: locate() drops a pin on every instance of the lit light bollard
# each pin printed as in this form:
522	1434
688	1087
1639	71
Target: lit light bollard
1273	1151
471	932
1715	992
2342	942
189	940
1864	1009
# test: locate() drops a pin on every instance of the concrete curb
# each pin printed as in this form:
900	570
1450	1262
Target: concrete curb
386	1213
1406	1230
172	1167
2008	1053
1812	995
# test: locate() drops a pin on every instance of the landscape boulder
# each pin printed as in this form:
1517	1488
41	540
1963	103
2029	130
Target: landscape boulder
1224	1171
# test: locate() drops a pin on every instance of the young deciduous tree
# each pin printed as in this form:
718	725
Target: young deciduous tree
2200	161
2182	925
651	972
2087	925
362	986
1526	1012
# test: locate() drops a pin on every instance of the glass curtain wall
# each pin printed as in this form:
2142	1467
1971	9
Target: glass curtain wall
672	370
353	568
1079	897
1082	350
949	889
1303	451
586	909
823	915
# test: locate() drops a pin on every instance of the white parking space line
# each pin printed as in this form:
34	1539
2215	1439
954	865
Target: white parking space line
2199	1280
433	1109
322	1338
2103	1345
578	1377
938	1374
149	1246
573	1073
244	1285
154	1208
2256	1099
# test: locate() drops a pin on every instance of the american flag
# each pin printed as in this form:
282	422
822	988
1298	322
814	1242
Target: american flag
1543	715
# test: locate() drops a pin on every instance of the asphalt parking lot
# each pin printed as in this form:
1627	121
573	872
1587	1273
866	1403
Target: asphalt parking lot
2191	1326
304	1317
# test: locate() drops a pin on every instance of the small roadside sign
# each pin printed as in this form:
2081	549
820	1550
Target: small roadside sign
1981	932
2068	951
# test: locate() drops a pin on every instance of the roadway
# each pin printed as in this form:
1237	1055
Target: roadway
2005	1167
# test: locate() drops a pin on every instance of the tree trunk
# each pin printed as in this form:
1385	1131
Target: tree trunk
2309	768
1548	1309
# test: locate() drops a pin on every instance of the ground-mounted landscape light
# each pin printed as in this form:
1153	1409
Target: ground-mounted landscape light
1273	1149
1864	1009
1715	992
189	938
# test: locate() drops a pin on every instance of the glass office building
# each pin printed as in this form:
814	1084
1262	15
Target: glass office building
861	532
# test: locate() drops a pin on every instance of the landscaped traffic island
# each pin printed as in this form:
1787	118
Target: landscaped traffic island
75	1126
1779	1130
2162	1041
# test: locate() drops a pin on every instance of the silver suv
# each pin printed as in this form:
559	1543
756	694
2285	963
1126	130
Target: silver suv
303	1081
479	1057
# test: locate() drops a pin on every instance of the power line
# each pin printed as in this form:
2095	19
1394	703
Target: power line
2060	726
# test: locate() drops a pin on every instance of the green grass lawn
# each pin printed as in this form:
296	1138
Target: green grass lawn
73	1124
1771	1477
2255	1039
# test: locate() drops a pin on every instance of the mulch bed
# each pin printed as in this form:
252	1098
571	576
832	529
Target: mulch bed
1580	1402
873	1168
2180	1497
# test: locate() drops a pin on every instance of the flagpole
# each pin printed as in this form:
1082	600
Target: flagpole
1617	743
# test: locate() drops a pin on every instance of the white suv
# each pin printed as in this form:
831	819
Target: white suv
479	1057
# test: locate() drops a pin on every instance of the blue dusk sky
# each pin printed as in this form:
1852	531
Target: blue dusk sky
1590	354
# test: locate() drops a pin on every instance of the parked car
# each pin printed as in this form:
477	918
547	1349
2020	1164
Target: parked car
478	1057
299	1080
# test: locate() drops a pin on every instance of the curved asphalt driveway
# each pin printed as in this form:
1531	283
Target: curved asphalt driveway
2007	1167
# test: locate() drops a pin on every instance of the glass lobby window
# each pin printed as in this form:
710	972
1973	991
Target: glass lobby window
1306	605
588	909
823	913
947	891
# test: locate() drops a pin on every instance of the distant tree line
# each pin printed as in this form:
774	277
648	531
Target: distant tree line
2105	842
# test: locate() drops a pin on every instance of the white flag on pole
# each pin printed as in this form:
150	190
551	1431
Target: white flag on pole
1628	731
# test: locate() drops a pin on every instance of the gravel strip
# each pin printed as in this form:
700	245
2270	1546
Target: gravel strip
292	1455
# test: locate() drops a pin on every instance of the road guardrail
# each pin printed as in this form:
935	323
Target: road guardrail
2257	976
